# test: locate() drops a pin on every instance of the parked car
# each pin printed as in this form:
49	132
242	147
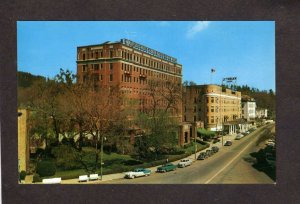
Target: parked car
208	153
228	143
185	162
271	160
270	144
215	149
215	140
138	173
166	167
239	136
202	156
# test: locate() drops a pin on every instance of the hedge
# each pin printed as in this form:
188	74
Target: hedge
45	168
36	178
22	175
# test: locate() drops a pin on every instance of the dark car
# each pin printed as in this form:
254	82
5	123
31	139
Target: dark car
228	143
209	152
215	149
202	156
167	167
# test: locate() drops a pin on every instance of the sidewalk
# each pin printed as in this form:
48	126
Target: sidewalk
110	177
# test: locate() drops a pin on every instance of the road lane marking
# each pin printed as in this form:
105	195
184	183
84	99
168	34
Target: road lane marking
209	180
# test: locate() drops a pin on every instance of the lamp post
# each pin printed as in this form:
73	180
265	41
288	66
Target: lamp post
101	148
101	159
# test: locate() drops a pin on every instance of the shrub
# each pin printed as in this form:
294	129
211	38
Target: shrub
46	168
201	142
36	178
132	162
65	157
22	175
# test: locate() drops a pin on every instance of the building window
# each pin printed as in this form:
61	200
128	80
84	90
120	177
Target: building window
110	53
110	77
122	77
195	109
195	100
212	109
96	77
83	56
101	77
185	118
184	108
85	78
195	118
212	100
83	68
212	120
111	66
96	67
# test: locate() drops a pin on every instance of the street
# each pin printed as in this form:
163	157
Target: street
231	165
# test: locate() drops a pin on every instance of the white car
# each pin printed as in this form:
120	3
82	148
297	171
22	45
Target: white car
185	162
137	173
239	136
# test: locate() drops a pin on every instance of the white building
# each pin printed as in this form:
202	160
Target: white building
248	109
262	113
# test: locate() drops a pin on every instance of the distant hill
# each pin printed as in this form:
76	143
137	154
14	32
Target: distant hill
26	79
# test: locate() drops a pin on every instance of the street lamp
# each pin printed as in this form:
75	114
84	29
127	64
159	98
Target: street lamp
101	148
101	159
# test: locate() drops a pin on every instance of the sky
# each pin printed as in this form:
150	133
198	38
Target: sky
242	49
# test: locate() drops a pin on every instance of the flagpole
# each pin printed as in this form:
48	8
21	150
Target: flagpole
212	70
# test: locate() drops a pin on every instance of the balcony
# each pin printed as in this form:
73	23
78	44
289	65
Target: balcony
127	72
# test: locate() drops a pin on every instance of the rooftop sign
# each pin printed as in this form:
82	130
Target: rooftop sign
147	50
229	79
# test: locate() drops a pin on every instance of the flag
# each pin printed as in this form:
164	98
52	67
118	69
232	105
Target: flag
213	70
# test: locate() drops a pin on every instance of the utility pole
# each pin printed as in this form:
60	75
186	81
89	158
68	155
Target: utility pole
195	141
228	81
221	111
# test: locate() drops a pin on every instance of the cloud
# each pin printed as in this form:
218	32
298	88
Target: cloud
196	28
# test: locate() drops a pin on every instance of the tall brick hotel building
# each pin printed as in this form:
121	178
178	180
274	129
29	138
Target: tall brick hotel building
131	67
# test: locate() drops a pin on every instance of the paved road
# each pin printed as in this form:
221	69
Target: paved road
230	165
